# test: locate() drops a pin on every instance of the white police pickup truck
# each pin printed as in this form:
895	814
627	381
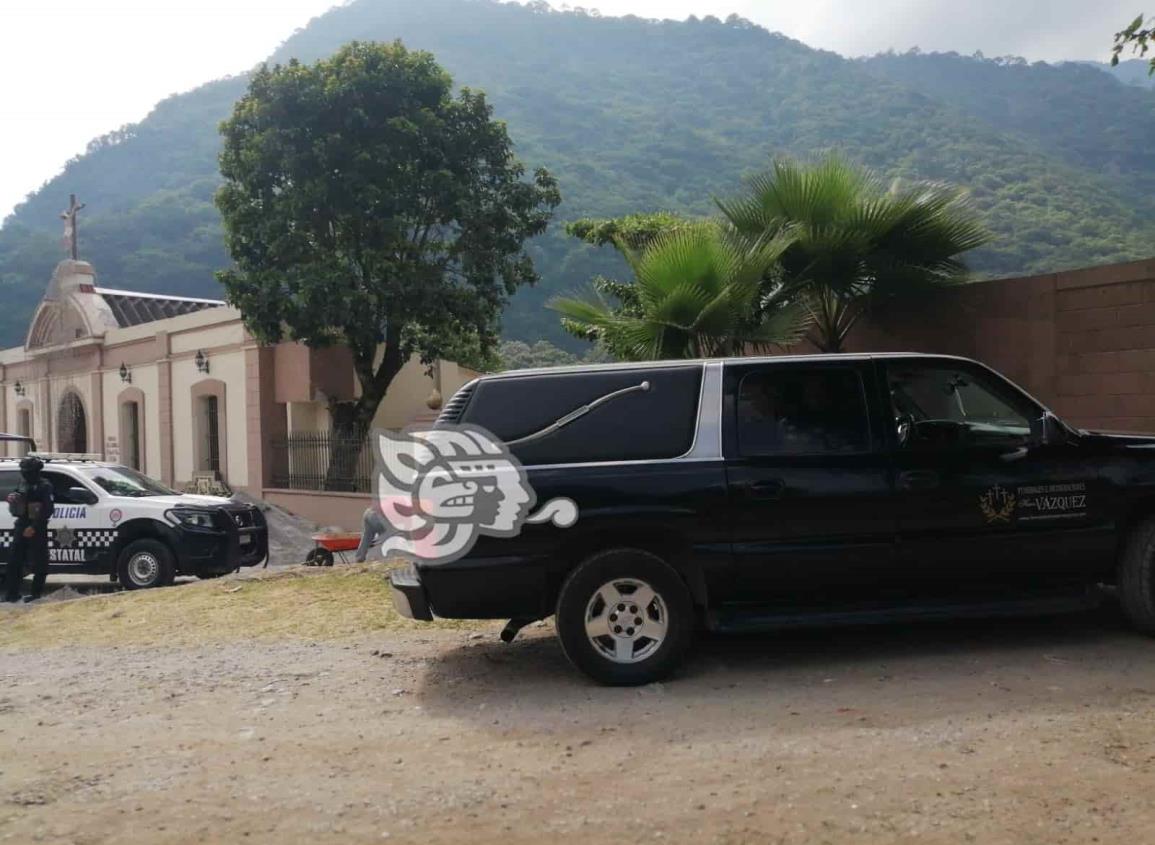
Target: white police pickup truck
115	521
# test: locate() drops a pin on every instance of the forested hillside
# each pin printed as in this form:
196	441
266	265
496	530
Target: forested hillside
1074	111
636	115
1130	71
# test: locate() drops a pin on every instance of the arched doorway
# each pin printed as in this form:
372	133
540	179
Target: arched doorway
71	424
131	440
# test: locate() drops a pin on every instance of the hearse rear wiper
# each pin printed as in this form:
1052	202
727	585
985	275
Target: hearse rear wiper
578	413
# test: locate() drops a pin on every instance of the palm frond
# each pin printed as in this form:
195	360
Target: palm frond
853	239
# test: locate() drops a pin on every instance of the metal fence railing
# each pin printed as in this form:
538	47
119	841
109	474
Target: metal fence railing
322	460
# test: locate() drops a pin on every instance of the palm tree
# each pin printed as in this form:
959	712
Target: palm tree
696	293
854	241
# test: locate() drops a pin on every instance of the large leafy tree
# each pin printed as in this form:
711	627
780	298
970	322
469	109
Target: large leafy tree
696	293
366	205
853	241
1138	35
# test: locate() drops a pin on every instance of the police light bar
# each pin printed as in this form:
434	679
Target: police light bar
67	456
18	438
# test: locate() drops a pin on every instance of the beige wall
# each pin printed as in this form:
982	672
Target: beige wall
226	367
307	416
405	401
408	394
146	379
327	510
262	391
206	337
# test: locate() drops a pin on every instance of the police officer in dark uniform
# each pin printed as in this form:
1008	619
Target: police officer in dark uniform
31	504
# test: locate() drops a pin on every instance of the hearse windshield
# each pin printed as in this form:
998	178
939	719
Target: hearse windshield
122	481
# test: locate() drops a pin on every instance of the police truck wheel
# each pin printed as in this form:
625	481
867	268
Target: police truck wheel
1137	577
624	617
146	563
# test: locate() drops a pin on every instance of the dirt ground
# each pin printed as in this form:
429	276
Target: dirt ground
1034	731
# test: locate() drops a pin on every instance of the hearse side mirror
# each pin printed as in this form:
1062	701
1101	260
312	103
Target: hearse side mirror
82	496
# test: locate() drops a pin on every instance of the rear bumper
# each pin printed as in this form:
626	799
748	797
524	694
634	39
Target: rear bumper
473	588
409	594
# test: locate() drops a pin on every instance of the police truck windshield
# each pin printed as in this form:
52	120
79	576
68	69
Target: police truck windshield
122	481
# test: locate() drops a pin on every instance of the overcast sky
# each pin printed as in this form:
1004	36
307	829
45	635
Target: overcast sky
71	70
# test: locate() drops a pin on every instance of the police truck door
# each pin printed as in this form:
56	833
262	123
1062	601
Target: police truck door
80	533
9	481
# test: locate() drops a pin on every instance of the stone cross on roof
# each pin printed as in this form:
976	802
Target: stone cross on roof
70	221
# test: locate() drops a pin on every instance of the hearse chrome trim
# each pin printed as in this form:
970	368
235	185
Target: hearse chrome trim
707	442
707	445
578	413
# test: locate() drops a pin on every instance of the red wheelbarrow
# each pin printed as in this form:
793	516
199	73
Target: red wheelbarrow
329	545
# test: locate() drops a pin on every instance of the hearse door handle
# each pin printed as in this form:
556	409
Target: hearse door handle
918	479
764	489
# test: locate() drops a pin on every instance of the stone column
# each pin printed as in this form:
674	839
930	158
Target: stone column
44	421
265	420
96	391
164	406
4	424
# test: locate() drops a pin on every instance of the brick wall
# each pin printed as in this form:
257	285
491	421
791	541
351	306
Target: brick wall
1082	341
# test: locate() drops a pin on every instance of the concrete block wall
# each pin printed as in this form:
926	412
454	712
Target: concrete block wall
1105	325
1082	341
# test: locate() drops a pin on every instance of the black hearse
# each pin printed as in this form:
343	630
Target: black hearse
758	493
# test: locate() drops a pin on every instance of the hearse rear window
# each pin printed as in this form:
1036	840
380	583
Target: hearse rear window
634	425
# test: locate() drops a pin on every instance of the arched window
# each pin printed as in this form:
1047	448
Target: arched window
71	424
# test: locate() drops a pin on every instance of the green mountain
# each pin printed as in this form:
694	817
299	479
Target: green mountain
1130	71
1073	111
636	115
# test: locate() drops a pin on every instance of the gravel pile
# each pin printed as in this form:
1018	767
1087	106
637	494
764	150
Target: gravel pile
289	539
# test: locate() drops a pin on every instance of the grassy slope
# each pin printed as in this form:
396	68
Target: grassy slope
305	604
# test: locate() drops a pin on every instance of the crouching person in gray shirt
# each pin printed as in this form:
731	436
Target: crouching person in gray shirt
374	530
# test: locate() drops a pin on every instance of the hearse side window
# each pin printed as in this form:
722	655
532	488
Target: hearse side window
636	425
936	405
786	410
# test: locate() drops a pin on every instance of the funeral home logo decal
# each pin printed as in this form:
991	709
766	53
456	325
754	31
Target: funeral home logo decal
997	505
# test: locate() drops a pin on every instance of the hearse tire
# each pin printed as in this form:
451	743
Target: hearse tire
1137	577
630	594
144	564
